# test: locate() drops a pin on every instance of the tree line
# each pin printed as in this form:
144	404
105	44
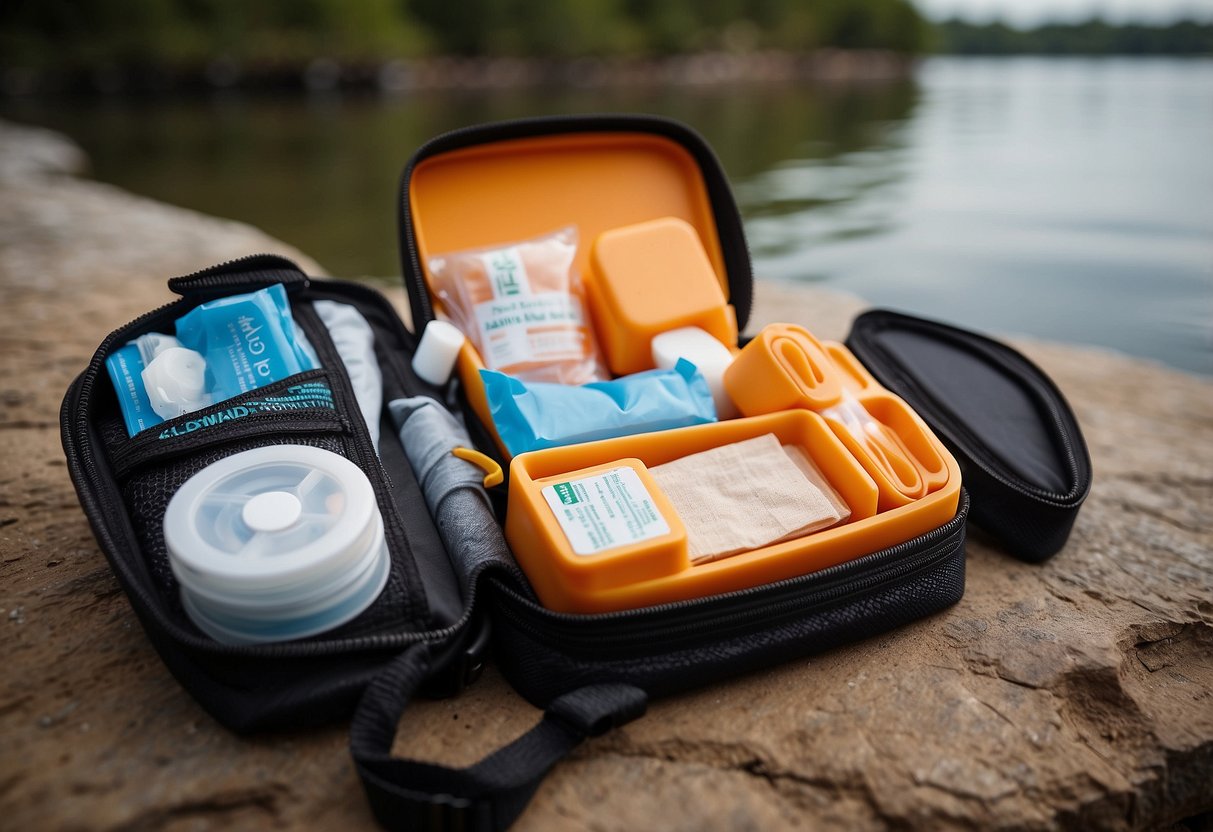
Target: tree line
57	33
185	35
1091	37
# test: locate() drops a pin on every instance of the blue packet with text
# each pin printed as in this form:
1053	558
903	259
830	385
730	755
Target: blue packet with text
530	416
125	366
248	341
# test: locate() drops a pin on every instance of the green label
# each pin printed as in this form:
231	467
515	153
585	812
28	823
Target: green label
605	510
564	490
506	273
505	276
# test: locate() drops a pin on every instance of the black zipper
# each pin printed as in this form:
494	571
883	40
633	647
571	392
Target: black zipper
708	620
724	206
274	268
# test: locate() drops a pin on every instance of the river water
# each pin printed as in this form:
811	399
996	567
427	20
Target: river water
1068	199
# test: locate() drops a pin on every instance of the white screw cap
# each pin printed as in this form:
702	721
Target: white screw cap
436	354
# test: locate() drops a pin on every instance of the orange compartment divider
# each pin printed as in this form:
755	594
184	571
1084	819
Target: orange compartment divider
854	376
915	447
785	367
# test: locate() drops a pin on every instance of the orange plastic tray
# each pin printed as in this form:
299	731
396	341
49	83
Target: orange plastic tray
568	582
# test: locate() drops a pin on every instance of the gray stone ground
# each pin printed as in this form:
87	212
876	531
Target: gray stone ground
1077	694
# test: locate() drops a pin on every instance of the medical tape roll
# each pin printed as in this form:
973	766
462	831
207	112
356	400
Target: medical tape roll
276	543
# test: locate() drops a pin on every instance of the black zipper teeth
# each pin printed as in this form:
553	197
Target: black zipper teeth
219	270
412	269
989	463
83	460
606	632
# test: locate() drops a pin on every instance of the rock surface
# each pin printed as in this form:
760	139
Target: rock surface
1076	694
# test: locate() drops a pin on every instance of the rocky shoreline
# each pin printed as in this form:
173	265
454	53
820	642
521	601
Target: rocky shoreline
1074	694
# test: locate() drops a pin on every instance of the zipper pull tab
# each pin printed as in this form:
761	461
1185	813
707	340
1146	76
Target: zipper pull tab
244	274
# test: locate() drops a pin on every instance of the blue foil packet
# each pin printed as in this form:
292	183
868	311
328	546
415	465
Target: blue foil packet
248	341
125	366
530	416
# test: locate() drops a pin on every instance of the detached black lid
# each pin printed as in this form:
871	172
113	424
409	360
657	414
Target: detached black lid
1020	449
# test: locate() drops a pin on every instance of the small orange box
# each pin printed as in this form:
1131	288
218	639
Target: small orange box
782	368
589	566
649	278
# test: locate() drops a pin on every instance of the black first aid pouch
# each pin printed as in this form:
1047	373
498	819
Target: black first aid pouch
452	591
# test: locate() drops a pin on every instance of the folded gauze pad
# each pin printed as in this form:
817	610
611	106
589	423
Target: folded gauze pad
742	496
534	415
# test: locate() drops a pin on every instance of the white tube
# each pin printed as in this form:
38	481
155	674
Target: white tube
436	354
708	355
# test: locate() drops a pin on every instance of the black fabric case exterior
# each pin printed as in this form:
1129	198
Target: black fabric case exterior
1021	452
589	671
288	684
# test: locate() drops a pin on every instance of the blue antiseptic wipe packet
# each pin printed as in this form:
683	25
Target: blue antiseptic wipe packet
126	366
530	416
248	341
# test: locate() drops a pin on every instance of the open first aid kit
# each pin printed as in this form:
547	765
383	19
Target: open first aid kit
575	461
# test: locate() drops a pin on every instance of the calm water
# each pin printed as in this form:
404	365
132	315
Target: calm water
1067	199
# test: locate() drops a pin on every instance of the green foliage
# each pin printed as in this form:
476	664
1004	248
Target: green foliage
1093	37
89	34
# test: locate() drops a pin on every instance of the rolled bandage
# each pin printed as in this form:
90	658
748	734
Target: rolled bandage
709	356
436	354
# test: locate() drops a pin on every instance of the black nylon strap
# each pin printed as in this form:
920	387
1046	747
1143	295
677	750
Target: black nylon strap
408	794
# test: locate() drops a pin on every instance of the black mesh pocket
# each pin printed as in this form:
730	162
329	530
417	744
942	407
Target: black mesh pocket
302	410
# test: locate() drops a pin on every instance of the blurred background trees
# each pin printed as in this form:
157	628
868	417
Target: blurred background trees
102	44
1090	37
178	33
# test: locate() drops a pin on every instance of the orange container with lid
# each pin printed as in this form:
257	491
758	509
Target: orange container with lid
650	278
655	215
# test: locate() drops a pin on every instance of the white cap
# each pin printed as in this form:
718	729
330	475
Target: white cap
708	355
176	382
436	354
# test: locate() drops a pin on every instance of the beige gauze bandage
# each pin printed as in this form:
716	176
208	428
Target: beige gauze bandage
744	496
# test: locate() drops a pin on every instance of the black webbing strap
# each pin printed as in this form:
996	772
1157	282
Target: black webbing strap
488	796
